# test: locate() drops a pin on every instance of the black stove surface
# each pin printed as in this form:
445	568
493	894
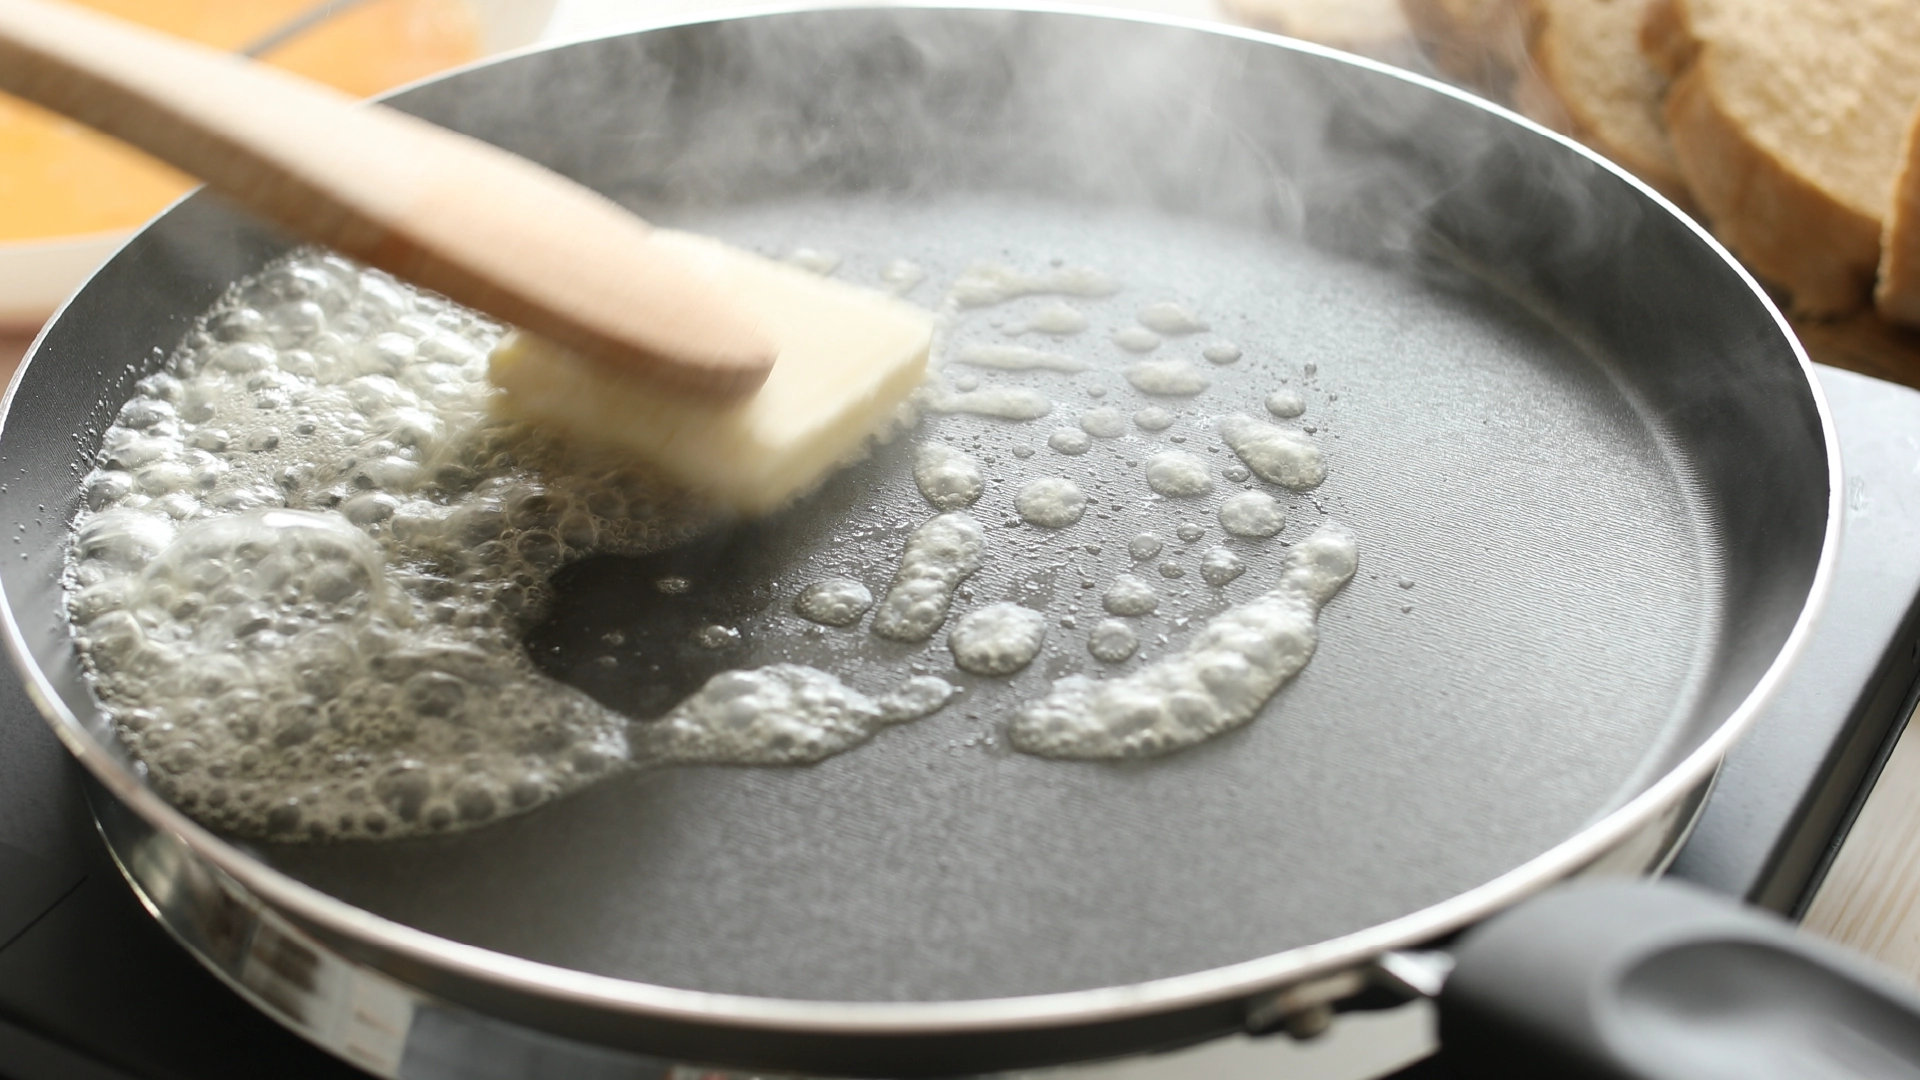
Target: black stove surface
92	987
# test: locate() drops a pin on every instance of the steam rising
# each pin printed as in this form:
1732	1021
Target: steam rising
904	103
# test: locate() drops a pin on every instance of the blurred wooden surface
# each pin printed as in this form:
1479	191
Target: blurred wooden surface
1866	345
1870	900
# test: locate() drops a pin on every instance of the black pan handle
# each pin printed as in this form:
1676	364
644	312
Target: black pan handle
1661	981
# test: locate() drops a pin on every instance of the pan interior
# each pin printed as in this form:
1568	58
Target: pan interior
1609	501
1534	613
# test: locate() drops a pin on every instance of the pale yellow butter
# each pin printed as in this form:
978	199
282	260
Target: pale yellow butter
848	358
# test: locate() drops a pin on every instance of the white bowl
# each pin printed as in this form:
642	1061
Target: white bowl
36	275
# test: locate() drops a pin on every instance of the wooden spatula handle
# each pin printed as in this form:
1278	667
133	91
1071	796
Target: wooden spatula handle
444	211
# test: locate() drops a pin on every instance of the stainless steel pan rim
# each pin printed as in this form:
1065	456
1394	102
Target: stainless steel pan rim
1114	1003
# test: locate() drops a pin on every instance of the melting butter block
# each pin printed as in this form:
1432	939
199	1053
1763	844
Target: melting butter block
848	358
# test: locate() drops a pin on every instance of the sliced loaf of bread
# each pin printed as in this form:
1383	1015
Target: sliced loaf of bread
1786	118
1898	293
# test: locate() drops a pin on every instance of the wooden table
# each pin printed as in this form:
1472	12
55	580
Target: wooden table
1870	899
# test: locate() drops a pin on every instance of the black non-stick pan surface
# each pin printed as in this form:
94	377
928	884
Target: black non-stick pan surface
1586	472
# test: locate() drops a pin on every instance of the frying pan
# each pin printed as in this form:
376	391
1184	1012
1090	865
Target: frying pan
1592	481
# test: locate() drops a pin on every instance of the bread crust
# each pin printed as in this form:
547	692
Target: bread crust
1664	40
1898	293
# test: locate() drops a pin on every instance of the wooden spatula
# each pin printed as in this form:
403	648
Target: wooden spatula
655	341
444	211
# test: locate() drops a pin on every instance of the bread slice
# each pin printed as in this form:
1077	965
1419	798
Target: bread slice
1482	43
1787	124
1898	293
1591	81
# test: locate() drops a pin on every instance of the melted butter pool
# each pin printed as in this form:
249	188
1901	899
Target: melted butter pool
312	558
310	552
